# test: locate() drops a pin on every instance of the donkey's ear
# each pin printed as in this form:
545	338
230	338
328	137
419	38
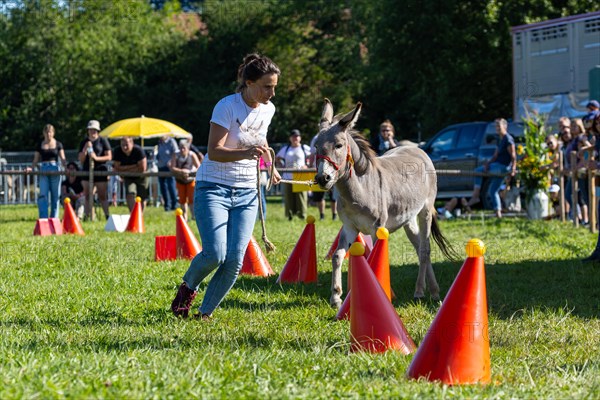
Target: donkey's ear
327	116
350	119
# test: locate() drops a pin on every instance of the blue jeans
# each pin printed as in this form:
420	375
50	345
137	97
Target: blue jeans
495	183
168	190
49	189
225	217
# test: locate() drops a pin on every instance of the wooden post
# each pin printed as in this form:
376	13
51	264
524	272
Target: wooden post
561	183
574	187
91	189
592	210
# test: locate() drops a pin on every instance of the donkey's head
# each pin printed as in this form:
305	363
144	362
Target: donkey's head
333	153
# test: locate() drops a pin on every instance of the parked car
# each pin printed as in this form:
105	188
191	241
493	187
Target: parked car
464	147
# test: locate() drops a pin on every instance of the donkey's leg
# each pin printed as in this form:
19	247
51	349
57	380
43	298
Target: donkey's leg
412	232
346	238
425	217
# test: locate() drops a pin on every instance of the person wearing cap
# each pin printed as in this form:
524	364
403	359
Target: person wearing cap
294	155
130	157
49	156
593	111
554	192
97	149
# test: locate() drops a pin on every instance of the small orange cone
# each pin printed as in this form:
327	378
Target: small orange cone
456	348
379	262
374	324
359	238
187	244
301	266
255	262
70	221
136	218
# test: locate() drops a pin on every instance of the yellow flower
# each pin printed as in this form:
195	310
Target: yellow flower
520	150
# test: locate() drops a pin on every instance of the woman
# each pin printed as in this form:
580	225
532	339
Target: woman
226	198
182	164
385	139
294	155
97	149
48	154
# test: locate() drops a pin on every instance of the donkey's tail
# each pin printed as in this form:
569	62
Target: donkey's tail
443	243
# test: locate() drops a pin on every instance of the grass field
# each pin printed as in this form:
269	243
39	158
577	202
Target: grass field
88	317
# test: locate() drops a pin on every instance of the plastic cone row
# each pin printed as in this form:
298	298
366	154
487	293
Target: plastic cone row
136	218
70	223
456	348
380	265
365	240
186	243
301	266
374	324
255	263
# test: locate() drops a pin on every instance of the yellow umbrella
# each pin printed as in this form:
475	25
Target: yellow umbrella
144	128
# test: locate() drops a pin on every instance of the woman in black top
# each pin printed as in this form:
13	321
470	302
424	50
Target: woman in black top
49	156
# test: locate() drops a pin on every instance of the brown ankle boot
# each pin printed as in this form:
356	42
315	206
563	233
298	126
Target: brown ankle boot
183	301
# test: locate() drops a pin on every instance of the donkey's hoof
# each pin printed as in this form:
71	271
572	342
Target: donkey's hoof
335	303
420	299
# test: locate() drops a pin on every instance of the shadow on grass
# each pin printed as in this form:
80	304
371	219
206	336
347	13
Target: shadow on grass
568	284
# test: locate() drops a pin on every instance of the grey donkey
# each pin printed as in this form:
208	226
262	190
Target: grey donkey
395	190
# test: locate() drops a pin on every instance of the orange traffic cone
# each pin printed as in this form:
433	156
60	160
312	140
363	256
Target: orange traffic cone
136	218
379	262
359	238
255	262
456	348
70	221
301	266
187	244
374	324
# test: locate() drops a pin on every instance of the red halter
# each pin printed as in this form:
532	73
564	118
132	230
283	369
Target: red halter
349	161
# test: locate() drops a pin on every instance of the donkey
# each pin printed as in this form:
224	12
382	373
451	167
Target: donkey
395	190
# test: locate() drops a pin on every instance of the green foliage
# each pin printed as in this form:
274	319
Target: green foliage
422	64
88	317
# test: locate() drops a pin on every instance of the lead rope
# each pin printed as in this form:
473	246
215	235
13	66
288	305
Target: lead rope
268	244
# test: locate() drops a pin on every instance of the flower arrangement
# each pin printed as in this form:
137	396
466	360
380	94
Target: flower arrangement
533	158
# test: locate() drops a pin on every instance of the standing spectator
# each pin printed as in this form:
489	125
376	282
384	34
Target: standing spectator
129	157
167	146
593	110
583	148
385	139
568	145
294	155
226	184
182	164
72	188
50	156
504	160
96	148
318	196
595	129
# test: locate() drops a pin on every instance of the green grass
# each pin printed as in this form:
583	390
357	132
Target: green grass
88	317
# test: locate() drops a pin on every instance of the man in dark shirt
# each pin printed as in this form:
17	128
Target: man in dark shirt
129	157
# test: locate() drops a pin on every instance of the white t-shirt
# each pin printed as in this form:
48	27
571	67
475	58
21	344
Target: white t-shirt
294	157
247	127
